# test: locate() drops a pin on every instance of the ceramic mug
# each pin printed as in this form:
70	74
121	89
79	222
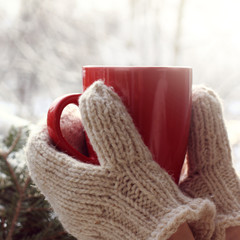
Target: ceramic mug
157	98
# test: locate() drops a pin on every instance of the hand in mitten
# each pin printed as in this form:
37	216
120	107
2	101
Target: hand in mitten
128	196
210	172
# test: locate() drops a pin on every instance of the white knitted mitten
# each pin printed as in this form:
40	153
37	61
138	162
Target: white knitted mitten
210	172
128	196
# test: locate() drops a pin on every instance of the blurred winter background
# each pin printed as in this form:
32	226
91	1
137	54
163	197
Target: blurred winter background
44	44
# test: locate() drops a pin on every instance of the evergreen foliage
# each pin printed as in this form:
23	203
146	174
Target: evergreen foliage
24	213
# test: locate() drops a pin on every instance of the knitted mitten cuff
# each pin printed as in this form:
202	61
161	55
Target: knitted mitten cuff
128	196
211	173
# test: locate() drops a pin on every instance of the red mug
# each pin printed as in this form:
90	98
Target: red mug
157	98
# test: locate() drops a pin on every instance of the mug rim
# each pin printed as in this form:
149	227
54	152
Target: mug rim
136	67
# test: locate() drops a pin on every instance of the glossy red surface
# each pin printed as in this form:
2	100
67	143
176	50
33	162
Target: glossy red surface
157	98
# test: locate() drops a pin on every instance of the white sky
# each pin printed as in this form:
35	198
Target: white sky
201	16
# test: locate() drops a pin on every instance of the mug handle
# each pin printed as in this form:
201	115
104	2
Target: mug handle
54	130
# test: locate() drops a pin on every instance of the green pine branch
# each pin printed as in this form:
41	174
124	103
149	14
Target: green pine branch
24	212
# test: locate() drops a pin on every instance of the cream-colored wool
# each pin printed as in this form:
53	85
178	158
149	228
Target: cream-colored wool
128	196
211	173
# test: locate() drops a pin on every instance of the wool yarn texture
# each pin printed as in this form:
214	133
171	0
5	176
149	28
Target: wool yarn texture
210	171
128	196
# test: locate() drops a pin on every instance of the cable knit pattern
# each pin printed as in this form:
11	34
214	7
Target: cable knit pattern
210	172
128	196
